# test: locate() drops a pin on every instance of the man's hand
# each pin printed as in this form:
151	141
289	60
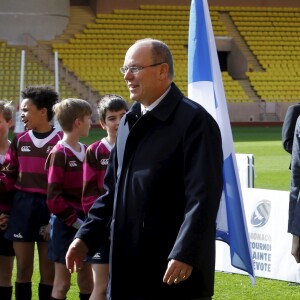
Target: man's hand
295	248
3	221
177	271
75	255
45	232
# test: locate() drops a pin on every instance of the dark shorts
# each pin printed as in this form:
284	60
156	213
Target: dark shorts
102	256
28	215
61	236
6	246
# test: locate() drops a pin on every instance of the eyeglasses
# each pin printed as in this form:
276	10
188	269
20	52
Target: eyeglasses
135	69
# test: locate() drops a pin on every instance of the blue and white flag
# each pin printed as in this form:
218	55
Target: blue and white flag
205	86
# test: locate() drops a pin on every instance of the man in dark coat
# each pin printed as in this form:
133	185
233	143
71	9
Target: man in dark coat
164	184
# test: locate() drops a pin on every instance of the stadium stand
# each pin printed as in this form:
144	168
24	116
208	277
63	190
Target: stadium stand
96	53
34	73
272	35
92	48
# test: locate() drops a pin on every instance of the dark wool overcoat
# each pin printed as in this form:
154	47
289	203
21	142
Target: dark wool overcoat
164	184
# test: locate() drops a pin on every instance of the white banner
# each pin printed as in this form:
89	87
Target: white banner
266	214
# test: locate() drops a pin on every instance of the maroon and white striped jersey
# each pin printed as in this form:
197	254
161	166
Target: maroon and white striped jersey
24	165
5	197
64	169
94	168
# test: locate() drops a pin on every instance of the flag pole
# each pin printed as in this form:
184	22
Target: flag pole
205	86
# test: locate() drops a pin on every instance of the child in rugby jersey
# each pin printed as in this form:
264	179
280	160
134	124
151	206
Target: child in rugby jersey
7	253
111	108
64	169
23	170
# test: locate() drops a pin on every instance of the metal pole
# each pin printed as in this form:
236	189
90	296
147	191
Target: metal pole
56	72
19	126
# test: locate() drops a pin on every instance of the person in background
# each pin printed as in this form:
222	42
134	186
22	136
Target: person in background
64	170
288	127
294	205
7	253
287	137
164	183
111	108
23	170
